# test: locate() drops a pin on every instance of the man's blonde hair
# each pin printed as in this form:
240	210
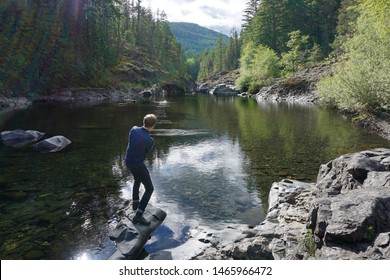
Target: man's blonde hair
150	120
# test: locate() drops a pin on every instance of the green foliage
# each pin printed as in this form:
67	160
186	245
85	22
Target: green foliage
224	57
252	7
192	65
371	233
65	43
310	243
298	31
299	55
233	51
295	59
360	83
274	20
346	23
259	67
315	54
322	22
264	28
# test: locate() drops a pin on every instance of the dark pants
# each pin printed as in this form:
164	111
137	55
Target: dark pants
141	175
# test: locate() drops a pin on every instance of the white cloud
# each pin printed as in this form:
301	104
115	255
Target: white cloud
225	14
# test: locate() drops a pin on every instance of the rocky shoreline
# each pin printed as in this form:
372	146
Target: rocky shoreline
344	215
91	96
374	124
300	87
8	103
86	96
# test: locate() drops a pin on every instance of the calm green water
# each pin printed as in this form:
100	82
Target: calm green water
213	164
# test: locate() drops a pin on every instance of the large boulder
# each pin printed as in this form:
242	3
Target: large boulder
52	144
349	172
225	90
351	218
353	209
203	88
20	134
155	90
18	138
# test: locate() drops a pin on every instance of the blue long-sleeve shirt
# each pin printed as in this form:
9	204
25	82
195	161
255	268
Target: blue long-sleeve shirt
139	145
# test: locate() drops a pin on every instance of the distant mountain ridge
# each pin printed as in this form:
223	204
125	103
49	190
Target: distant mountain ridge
195	38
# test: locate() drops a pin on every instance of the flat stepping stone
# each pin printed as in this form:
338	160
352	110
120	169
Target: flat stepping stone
131	238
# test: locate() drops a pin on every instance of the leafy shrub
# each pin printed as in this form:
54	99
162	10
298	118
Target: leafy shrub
259	66
361	82
309	243
295	58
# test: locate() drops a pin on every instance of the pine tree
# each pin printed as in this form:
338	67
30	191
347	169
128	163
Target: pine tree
322	22
267	27
346	22
232	52
251	8
275	19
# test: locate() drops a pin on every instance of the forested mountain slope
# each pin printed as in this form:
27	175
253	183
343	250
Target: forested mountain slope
45	45
195	38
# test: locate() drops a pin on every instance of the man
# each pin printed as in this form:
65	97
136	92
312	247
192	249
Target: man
140	143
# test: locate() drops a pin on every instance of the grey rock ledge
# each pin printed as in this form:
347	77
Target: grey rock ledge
344	215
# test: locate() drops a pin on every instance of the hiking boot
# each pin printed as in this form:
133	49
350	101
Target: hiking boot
135	204
140	219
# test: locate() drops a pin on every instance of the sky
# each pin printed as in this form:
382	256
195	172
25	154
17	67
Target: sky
218	15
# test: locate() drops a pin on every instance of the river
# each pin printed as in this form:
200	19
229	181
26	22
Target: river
212	165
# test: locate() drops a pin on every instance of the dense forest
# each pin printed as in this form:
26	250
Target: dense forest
195	39
209	47
223	57
279	38
101	43
66	43
361	79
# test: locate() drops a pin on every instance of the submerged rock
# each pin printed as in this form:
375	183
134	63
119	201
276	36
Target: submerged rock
18	138
53	144
20	134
